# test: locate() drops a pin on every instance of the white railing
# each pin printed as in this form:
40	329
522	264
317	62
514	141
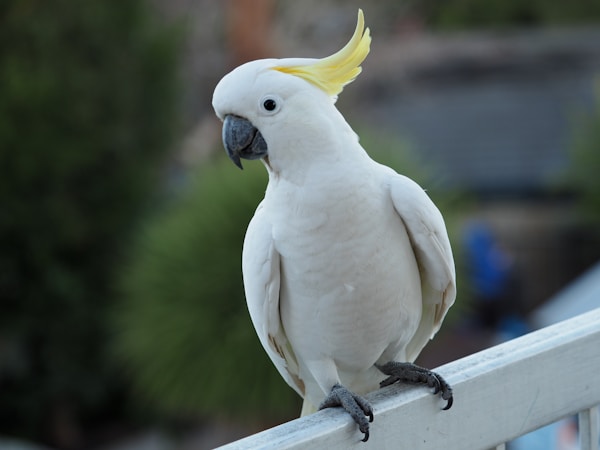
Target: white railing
499	394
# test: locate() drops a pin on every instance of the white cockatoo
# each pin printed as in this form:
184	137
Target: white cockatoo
347	266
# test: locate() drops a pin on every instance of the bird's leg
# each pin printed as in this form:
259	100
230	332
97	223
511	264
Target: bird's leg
355	405
413	374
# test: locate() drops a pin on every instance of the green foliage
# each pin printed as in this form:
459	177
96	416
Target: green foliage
87	101
183	326
585	154
506	13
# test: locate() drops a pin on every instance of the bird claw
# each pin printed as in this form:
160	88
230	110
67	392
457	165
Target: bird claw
355	405
413	374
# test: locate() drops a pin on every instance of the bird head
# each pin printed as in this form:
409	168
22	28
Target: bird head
269	106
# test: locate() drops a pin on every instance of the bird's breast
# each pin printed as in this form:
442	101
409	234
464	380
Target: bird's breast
349	279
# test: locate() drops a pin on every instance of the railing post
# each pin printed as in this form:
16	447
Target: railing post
588	428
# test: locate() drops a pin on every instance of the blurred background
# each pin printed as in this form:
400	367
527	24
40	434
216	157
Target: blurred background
123	323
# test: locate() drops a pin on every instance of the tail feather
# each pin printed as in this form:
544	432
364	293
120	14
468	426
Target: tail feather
307	408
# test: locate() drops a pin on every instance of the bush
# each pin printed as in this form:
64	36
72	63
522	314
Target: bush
183	325
87	103
585	160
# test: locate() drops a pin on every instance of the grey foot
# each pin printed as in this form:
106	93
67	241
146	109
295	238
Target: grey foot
413	374
355	405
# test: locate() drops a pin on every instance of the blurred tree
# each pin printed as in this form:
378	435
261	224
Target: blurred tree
88	98
503	13
183	326
249	29
585	157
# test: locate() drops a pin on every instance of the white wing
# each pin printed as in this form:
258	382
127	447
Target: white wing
429	239
260	267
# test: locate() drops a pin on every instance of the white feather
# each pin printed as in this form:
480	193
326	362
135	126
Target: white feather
346	263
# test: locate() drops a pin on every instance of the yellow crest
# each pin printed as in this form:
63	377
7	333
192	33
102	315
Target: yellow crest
331	74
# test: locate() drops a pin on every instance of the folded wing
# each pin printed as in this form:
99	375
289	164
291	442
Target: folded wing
260	267
429	238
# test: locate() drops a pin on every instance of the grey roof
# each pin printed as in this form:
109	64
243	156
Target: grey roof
579	297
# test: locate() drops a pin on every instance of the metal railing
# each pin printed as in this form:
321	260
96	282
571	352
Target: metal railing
499	394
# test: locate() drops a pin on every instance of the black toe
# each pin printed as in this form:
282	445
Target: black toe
355	405
413	374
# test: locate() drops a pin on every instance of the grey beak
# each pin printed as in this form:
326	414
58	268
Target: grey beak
242	140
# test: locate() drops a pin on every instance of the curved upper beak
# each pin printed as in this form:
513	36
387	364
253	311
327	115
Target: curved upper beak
242	140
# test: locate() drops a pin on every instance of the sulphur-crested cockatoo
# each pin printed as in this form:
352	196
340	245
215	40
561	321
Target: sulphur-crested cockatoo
347	267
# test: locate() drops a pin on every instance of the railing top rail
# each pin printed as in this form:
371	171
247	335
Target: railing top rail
500	393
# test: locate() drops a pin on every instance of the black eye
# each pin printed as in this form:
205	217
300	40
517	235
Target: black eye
270	104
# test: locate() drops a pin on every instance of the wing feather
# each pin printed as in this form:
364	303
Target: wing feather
260	268
429	238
